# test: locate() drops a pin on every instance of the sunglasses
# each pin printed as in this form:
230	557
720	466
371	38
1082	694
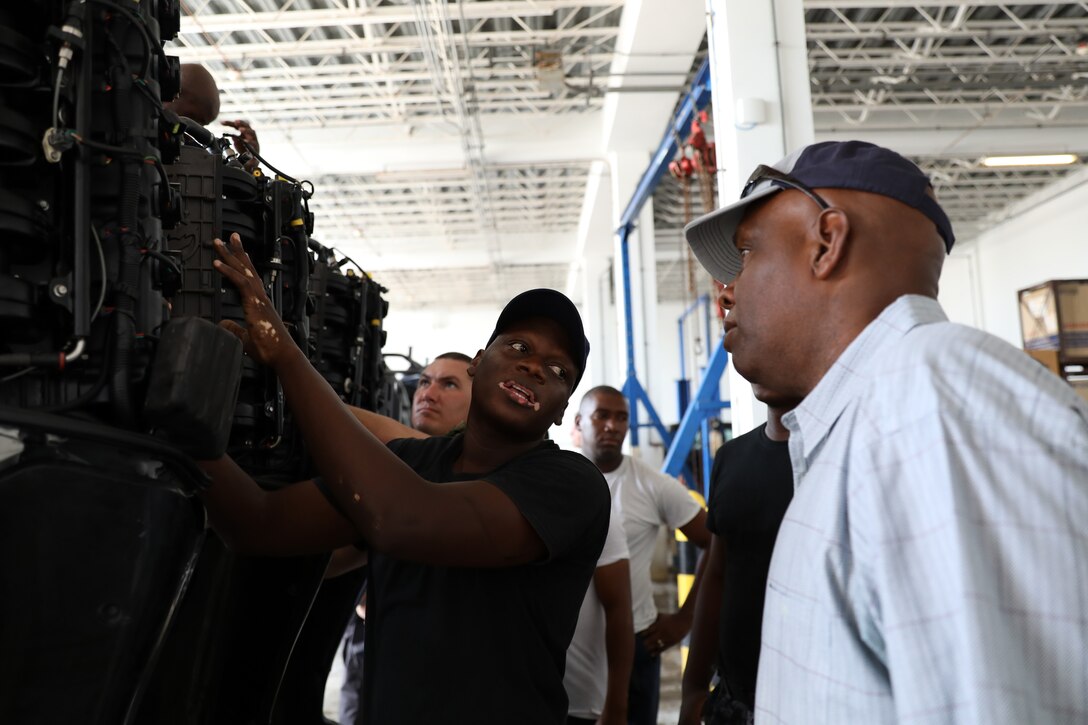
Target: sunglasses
782	179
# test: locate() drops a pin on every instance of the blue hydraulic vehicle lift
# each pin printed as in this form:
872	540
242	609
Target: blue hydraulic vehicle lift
706	400
706	403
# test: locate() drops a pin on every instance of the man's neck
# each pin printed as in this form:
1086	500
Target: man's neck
606	464
775	430
483	452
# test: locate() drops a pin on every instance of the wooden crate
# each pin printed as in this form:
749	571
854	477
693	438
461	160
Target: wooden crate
1054	316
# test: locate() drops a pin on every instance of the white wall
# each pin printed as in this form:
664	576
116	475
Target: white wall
430	333
1046	238
665	356
959	285
664	361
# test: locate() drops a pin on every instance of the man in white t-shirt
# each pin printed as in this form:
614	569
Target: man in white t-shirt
647	500
596	676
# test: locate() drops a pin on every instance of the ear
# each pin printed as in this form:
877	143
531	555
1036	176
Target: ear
577	420
831	237
471	369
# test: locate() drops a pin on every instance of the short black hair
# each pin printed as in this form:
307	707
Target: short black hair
600	389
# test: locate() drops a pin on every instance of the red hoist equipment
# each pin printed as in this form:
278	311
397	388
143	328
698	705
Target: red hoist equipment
698	158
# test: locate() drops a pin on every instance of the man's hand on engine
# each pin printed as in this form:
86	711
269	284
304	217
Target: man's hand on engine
245	141
264	338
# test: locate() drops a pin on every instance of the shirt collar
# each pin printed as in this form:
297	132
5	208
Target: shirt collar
811	421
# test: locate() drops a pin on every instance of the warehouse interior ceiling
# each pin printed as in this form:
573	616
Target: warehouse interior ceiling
450	143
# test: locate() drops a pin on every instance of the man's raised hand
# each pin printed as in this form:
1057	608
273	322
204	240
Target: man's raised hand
264	338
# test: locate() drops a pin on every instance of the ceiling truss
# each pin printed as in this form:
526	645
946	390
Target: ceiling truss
882	67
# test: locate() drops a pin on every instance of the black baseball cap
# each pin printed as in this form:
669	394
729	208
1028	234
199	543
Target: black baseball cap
554	305
855	165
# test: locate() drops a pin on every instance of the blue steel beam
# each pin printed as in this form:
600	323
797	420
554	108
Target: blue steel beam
683	387
635	394
632	388
705	402
697	99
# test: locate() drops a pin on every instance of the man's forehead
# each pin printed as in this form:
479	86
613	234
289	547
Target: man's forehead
440	375
754	221
604	400
445	367
745	233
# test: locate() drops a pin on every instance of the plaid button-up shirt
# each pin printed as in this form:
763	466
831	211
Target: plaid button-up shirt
933	565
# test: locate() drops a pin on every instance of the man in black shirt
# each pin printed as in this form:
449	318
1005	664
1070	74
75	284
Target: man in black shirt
751	487
482	544
439	406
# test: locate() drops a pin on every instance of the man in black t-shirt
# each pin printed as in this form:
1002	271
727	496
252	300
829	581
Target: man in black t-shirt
751	487
487	638
482	544
439	406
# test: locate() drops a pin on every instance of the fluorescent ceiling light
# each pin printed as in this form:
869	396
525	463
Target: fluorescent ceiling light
1042	160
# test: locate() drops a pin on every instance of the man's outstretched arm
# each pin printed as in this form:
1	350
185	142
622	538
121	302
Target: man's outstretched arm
382	427
295	519
470	523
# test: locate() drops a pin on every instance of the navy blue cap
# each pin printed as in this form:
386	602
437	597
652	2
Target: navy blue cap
554	305
854	165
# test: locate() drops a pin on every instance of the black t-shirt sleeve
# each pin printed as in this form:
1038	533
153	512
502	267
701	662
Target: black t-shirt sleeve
403	449
562	495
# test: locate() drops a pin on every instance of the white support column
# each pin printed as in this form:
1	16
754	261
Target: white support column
644	264
601	315
590	282
627	170
642	258
762	111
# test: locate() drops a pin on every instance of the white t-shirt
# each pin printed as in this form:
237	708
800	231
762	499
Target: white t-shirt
586	678
648	499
